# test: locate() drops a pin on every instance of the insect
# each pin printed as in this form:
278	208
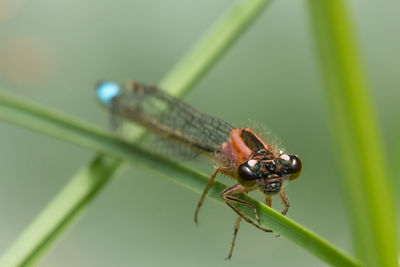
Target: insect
239	153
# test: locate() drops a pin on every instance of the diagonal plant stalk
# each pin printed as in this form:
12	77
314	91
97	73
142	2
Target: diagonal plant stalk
215	43
193	66
357	135
59	213
81	133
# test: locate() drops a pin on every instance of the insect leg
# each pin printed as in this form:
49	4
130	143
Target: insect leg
285	201
237	224
204	194
268	201
227	196
243	202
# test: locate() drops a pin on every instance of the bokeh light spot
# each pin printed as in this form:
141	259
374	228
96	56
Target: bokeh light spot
24	60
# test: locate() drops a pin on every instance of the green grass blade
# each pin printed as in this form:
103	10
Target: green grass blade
60	212
357	135
59	126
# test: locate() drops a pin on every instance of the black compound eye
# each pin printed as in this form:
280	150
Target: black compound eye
289	165
249	170
284	160
295	167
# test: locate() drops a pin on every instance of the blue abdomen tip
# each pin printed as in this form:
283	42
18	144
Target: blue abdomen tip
106	91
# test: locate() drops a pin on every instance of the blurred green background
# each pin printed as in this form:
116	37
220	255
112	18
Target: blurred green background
53	52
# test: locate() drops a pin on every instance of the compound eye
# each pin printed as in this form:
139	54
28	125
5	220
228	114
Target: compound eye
284	160
249	170
295	168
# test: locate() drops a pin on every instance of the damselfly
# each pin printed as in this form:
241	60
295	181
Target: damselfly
239	153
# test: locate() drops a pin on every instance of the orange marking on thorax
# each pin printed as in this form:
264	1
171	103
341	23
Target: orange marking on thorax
239	148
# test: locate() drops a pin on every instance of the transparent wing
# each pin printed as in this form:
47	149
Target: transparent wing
169	118
153	142
169	148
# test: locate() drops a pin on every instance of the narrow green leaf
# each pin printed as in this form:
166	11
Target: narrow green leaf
59	126
357	134
60	212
